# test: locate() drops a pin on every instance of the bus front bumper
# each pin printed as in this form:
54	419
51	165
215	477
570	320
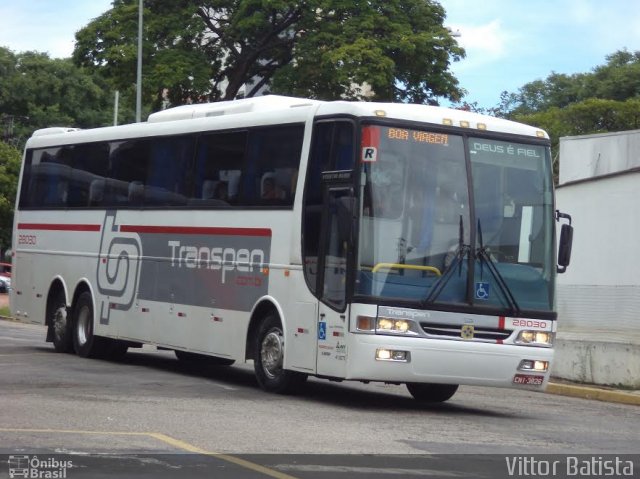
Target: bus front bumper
447	362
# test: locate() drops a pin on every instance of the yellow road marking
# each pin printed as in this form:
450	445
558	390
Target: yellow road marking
185	446
74	431
225	457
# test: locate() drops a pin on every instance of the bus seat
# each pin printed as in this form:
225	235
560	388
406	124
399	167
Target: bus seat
208	189
136	192
96	192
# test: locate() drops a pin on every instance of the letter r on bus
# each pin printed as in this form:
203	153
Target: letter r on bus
369	154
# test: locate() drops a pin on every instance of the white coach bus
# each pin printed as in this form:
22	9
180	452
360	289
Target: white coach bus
350	241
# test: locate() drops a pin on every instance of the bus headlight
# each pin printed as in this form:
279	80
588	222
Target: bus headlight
393	355
535	338
534	365
395	326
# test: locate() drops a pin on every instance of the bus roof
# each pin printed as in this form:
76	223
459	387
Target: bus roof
275	108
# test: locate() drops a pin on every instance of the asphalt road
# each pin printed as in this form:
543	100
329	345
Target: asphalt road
153	416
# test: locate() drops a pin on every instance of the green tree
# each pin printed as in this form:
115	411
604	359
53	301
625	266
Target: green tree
207	50
37	91
603	100
618	79
9	171
582	118
399	49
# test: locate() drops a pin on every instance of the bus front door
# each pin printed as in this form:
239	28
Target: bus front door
334	257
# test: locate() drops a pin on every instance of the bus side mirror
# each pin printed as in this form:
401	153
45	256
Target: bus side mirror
565	243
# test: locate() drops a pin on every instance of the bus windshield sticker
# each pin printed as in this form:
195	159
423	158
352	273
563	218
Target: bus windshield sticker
482	290
369	154
370	144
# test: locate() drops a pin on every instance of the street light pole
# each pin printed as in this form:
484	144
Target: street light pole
139	74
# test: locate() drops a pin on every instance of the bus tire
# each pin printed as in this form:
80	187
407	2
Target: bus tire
84	342
203	358
431	393
269	359
60	325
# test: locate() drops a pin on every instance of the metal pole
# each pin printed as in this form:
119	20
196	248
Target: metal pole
116	104
139	75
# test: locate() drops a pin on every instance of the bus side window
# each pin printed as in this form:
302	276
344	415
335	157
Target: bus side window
128	163
273	155
167	171
90	162
218	162
48	179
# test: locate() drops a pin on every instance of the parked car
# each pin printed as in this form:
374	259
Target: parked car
5	277
5	269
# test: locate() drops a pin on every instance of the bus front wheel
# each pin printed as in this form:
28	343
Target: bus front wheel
85	343
269	359
424	392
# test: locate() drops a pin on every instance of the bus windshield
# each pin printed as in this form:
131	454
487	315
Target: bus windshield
418	221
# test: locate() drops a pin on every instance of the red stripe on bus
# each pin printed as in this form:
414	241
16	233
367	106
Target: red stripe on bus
58	227
501	322
196	230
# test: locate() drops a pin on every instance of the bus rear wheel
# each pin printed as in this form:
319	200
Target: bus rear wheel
60	325
431	393
84	342
268	359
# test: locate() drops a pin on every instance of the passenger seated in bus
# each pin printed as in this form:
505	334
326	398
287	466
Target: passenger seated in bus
270	191
221	191
214	193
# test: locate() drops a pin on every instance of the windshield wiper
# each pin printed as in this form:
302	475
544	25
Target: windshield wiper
483	255
460	254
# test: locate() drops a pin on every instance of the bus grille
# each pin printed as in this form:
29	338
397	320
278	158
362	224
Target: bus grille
455	332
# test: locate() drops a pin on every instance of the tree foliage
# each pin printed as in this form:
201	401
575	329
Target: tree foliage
398	48
37	91
617	80
209	49
9	171
603	100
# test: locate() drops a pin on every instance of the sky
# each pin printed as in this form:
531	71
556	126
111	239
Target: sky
508	42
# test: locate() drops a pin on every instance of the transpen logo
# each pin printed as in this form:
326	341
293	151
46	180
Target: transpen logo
118	266
224	259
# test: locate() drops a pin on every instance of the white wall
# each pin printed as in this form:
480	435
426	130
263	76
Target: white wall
601	288
589	156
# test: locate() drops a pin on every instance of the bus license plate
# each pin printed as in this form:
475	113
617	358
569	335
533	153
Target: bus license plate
528	379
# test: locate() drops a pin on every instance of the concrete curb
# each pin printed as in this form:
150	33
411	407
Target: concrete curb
588	392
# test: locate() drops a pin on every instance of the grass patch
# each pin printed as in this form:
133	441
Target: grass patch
5	311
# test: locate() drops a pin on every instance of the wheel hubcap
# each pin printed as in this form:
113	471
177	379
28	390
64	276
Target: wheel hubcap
83	326
271	353
60	321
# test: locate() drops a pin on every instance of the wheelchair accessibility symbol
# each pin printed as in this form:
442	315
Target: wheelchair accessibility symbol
482	290
322	330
